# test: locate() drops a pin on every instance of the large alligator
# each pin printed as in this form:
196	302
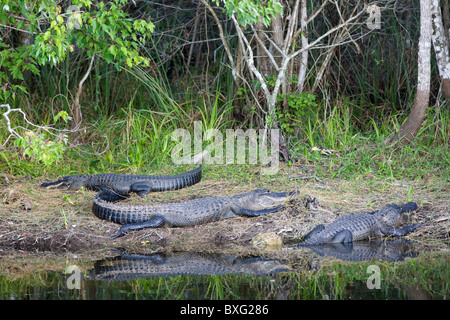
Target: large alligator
363	226
189	213
124	184
132	266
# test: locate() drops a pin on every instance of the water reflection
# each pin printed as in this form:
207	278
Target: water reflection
126	266
221	276
388	250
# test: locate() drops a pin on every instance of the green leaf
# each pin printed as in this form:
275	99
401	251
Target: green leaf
113	50
129	62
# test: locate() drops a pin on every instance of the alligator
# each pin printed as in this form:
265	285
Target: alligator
132	266
123	184
188	213
363	226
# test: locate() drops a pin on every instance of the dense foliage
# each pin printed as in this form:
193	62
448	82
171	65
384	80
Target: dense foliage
159	66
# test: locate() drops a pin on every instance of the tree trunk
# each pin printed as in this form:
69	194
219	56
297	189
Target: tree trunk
441	44
418	111
277	46
262	57
304	56
278	39
326	61
446	18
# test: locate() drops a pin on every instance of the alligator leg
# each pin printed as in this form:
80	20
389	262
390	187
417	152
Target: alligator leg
401	231
343	236
141	189
410	206
155	222
314	231
109	195
253	213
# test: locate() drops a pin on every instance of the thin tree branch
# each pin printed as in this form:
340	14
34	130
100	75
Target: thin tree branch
221	33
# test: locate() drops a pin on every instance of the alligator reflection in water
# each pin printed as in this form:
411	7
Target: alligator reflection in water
132	266
395	250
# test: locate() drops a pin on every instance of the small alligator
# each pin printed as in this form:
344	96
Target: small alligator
363	226
189	213
123	184
132	266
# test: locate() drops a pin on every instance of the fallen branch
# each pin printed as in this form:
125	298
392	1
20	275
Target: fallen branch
50	130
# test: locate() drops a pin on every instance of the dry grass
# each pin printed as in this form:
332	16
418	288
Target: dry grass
32	218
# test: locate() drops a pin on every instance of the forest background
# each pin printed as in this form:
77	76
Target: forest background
95	86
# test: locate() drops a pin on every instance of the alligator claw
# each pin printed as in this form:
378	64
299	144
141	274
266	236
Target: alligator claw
414	226
118	234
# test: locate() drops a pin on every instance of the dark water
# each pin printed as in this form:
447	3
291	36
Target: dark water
375	271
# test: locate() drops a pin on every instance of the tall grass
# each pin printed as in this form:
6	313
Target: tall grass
140	139
340	145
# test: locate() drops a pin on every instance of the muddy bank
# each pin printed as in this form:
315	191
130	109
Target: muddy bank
32	218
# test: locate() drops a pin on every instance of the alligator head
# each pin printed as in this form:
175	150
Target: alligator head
67	183
264	199
394	215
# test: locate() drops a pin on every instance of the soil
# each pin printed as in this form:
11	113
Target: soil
34	218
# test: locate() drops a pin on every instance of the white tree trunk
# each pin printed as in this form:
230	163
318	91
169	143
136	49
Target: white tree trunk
441	44
418	110
424	66
304	56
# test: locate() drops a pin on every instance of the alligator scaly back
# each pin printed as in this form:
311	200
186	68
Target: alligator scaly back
124	183
187	213
131	266
361	226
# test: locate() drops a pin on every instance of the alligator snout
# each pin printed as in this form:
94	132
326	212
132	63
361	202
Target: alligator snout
59	184
283	195
266	192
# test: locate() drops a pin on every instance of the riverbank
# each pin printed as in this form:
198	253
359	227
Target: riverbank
33	218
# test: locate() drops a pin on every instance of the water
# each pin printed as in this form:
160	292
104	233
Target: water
377	271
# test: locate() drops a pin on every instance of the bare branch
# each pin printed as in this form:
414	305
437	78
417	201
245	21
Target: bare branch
250	57
50	130
263	46
221	33
77	115
292	24
326	34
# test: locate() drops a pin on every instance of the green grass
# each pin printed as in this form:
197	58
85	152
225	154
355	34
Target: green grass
344	150
140	140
